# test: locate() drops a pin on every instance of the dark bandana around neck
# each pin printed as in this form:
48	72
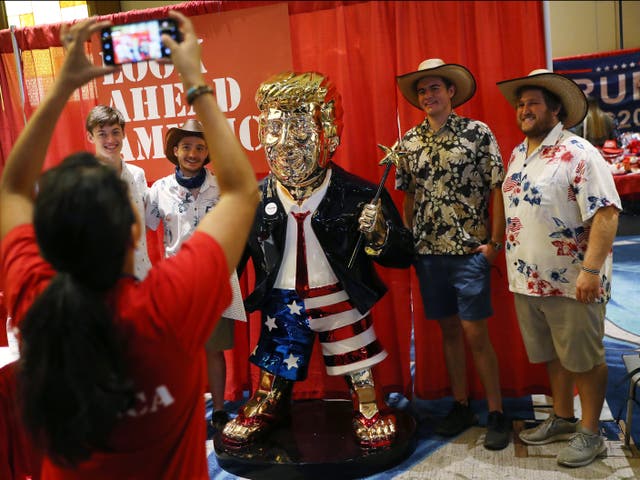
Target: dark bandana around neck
191	182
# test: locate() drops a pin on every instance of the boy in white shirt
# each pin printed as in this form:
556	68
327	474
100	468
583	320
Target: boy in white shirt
105	130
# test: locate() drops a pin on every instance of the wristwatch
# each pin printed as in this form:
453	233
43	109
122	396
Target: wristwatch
497	246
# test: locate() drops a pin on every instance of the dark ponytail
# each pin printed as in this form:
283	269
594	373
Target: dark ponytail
73	380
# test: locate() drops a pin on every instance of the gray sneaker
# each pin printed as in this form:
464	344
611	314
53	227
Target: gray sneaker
553	429
583	449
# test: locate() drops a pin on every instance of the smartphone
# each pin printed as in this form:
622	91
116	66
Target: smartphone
137	42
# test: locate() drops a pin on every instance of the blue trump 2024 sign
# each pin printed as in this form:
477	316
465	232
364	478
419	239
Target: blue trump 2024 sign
613	77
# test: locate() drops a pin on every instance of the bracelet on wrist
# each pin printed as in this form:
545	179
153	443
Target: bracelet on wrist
195	91
497	246
592	271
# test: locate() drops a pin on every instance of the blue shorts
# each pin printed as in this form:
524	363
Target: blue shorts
455	284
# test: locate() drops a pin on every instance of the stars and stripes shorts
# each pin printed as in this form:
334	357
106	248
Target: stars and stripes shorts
289	326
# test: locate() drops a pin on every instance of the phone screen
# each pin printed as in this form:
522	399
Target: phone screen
137	42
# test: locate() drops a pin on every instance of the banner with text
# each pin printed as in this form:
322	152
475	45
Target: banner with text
613	77
240	49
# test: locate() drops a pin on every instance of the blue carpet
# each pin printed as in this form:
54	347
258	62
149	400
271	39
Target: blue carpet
623	325
624	306
623	337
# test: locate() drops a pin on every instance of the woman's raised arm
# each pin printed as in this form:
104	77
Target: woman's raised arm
24	163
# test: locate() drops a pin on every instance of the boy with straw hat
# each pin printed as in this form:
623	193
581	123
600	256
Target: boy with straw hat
452	172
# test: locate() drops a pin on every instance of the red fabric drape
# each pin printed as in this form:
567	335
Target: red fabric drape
497	40
4	340
11	113
362	46
39	67
488	38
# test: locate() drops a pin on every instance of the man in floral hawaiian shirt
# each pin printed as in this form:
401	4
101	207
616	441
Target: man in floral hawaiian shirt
561	210
452	171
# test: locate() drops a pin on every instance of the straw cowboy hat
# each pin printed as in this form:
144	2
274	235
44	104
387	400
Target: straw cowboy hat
572	98
190	128
457	74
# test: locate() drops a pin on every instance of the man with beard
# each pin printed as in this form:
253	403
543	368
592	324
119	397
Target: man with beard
180	201
561	210
309	220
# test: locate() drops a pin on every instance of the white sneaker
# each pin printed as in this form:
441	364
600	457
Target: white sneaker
583	448
553	429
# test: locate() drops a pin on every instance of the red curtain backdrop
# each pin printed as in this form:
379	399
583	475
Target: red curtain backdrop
362	46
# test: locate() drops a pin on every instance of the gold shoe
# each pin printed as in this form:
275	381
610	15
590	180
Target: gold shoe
372	428
267	408
376	432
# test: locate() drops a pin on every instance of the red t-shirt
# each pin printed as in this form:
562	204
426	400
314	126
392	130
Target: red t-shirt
18	459
166	319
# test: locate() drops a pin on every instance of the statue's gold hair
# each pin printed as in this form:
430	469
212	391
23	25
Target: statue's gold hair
304	92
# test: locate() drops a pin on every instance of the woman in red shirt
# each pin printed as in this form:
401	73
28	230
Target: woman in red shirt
112	370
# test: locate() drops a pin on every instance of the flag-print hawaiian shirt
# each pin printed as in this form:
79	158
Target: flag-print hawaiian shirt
451	173
550	198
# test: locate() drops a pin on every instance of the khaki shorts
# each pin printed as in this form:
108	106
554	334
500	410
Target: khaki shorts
562	328
222	336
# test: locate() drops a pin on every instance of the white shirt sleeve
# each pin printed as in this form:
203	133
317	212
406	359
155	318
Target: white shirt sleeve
152	207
